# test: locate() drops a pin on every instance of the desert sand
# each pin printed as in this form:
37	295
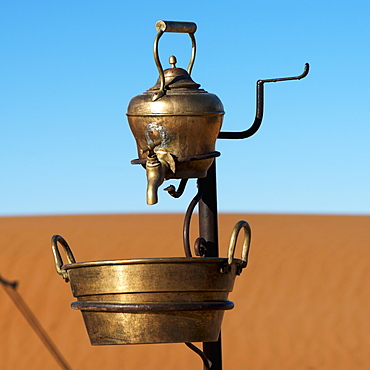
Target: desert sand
302	302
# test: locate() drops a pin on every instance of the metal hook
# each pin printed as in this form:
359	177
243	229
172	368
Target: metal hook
200	247
259	107
302	75
187	219
177	193
12	284
206	361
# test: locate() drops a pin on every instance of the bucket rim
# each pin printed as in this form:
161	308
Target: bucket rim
150	261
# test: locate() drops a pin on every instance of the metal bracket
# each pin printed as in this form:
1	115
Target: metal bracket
259	107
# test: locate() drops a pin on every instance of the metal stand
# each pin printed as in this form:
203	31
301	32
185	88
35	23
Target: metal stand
208	222
208	229
171	144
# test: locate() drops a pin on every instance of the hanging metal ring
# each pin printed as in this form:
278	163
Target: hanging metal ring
58	258
246	244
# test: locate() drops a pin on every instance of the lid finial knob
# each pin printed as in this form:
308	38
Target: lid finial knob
173	61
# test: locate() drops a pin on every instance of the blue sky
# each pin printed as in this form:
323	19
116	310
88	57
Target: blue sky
69	69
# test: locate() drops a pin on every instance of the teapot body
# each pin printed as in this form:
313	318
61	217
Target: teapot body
185	121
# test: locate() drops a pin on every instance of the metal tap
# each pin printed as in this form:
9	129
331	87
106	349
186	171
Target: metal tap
155	172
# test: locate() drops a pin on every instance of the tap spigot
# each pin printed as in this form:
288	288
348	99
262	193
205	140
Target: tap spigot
155	173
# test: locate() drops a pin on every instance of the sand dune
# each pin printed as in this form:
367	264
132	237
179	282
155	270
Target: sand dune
302	303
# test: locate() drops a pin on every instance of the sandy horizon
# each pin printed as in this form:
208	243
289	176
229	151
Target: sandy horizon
302	302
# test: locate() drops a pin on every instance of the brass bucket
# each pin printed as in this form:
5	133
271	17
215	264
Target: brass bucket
153	300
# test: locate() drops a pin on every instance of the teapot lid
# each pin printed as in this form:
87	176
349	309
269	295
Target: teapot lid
175	78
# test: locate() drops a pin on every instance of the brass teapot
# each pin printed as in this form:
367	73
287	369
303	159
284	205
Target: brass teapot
175	123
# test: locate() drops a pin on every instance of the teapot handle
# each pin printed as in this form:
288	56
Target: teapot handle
175	26
172	26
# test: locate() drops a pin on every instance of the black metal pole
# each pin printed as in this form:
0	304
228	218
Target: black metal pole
208	229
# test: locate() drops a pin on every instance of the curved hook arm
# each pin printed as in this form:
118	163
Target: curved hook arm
259	107
206	361
187	219
177	193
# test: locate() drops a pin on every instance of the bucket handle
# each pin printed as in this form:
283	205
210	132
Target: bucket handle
246	244
58	258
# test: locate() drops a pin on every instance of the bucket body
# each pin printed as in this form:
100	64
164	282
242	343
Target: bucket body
153	300
164	300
